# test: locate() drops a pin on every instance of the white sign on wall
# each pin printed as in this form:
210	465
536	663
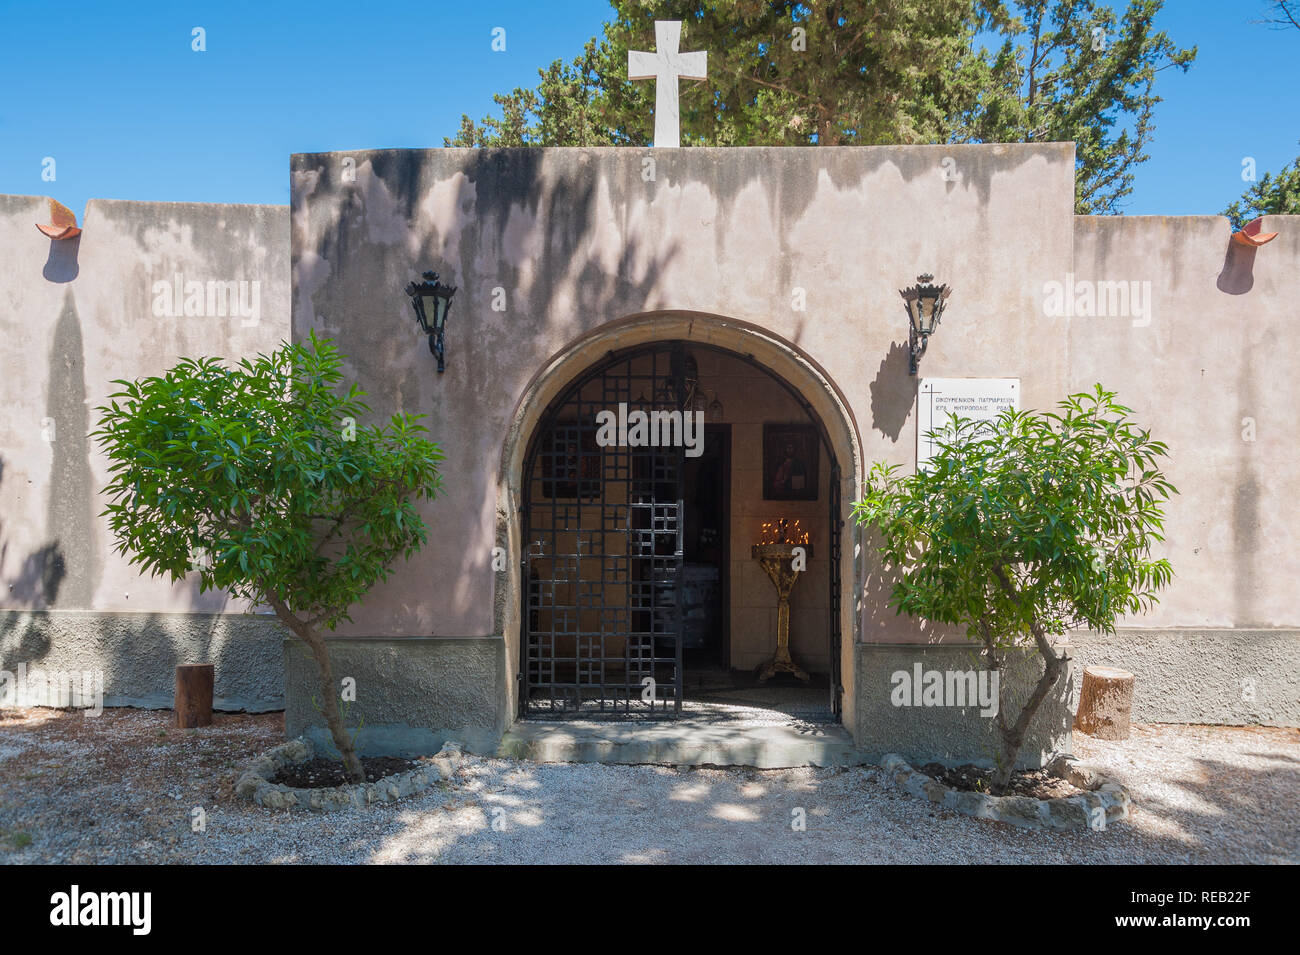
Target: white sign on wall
940	399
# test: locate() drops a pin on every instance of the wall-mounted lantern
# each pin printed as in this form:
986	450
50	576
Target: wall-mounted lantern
925	302
431	301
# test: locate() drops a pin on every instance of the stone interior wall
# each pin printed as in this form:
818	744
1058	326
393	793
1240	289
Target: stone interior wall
750	398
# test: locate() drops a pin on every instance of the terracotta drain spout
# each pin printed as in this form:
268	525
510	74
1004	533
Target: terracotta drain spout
63	222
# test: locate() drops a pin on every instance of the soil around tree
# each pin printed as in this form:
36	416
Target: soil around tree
321	773
1036	783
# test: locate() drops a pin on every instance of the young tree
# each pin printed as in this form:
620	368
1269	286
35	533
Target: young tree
1023	528
259	478
846	72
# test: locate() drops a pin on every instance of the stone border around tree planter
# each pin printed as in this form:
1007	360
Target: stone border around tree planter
255	782
1104	801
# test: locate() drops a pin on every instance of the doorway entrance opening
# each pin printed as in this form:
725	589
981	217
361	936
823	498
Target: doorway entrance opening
645	485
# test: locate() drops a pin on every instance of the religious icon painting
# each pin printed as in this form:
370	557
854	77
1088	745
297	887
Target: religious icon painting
791	456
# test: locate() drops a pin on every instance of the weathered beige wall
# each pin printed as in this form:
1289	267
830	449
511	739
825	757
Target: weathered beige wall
794	255
76	314
569	240
566	241
1215	373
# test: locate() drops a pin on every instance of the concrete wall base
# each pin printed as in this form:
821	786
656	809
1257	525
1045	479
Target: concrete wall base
1230	677
948	734
138	653
413	693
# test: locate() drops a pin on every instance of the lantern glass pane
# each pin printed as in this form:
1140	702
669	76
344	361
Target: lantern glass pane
927	314
431	311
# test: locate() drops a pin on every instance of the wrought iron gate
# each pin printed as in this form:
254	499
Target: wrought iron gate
603	550
836	526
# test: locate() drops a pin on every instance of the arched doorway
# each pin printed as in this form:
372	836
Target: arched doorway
636	575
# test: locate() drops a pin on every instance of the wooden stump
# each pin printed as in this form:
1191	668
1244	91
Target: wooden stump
193	703
1105	703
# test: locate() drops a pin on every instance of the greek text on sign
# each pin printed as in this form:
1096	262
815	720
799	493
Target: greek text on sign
940	399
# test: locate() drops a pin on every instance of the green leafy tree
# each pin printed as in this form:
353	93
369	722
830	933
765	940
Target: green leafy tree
1276	194
259	478
845	72
1077	70
1023	528
780	73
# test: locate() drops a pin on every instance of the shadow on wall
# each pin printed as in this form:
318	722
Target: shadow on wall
137	653
40	573
63	571
892	393
37	584
61	265
70	512
1247	525
391	362
607	294
1238	274
880	619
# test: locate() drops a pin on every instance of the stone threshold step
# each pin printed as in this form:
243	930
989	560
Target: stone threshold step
681	743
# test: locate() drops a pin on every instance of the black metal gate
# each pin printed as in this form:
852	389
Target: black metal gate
836	526
603	547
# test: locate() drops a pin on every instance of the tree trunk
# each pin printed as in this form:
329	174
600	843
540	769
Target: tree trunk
333	718
1013	737
1105	703
193	701
330	703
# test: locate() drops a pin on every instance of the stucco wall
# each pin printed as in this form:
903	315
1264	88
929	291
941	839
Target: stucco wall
812	244
137	653
75	315
550	247
1236	677
412	694
950	734
1215	373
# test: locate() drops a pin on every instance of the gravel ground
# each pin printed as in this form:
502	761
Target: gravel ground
123	787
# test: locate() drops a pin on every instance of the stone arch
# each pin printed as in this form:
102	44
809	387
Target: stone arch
782	358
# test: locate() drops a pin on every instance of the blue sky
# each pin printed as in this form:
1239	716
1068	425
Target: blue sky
113	92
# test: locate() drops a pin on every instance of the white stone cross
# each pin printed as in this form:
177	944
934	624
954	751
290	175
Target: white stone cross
665	66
